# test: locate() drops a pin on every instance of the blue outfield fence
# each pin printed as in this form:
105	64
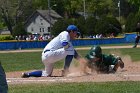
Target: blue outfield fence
11	45
81	42
22	45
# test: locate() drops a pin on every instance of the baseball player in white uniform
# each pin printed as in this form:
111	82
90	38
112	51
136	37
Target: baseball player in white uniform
58	48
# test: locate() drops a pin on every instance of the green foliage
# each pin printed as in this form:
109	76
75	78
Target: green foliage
81	25
19	30
132	21
61	25
114	25
6	38
90	25
135	2
58	27
108	25
130	26
2	25
17	11
59	8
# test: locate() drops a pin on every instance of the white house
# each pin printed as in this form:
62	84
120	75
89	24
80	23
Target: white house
40	21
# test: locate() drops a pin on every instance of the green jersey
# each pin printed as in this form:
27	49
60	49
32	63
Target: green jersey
103	63
107	60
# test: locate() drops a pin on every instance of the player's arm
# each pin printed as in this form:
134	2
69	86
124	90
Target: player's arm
66	45
82	61
76	55
65	40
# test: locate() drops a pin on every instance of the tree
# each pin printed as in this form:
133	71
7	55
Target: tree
132	21
80	22
135	2
19	30
108	25
129	27
5	4
14	11
58	27
90	25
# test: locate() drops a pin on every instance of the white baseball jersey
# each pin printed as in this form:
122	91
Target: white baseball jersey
54	51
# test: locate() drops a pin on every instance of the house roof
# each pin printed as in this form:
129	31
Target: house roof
45	14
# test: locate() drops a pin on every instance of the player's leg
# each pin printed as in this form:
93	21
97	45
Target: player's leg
68	60
54	57
48	59
136	42
40	73
67	63
37	73
3	82
48	69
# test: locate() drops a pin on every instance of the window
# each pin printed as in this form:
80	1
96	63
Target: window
42	29
32	29
49	29
41	20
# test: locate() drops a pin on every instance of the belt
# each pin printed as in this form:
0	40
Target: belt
46	51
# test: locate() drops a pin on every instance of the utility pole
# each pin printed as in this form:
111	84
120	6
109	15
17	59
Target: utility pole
49	9
84	5
119	10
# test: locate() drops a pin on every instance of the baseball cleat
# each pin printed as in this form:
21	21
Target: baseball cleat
25	75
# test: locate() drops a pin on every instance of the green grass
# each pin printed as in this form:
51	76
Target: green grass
21	61
134	53
31	61
89	87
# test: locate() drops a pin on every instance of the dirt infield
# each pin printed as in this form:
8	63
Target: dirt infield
131	72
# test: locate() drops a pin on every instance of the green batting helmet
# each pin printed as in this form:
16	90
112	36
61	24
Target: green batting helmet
95	51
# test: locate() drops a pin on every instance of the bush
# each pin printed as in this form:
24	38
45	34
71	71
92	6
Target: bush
61	25
108	25
2	38
19	30
90	25
81	26
132	21
58	27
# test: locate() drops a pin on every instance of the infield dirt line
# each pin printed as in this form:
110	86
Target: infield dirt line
10	80
132	75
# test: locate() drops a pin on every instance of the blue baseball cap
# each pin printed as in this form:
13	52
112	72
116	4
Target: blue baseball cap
72	27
